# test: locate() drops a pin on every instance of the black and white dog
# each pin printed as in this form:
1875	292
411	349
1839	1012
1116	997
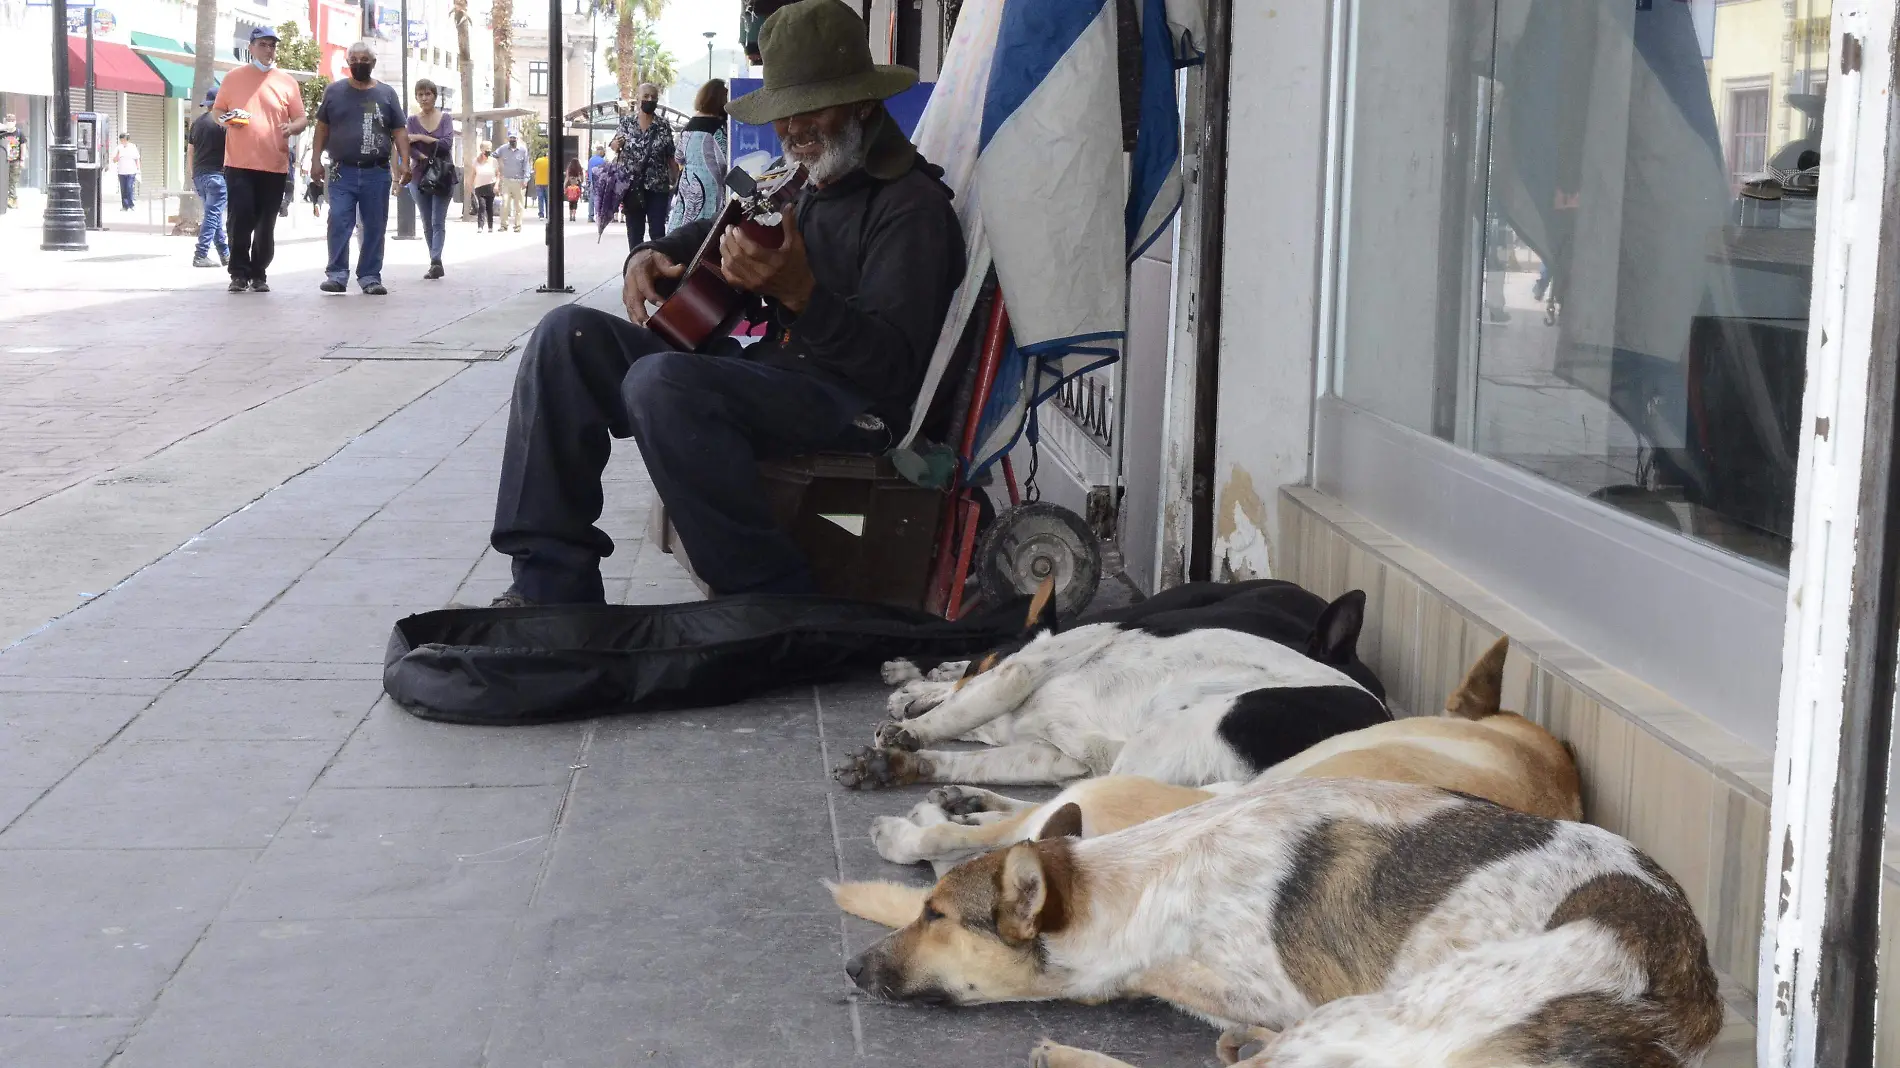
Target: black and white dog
1205	683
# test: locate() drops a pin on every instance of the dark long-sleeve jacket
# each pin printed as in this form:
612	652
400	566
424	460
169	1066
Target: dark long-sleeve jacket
887	254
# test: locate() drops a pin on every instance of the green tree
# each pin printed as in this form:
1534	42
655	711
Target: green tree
300	53
652	62
636	19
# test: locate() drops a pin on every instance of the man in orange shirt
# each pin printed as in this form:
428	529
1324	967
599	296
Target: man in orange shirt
261	108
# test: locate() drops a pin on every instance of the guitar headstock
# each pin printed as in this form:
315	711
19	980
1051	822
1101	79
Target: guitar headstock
771	191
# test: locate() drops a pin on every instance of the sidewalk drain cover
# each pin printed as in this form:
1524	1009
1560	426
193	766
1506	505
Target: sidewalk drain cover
413	351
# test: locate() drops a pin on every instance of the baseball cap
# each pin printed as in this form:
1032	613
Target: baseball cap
211	96
259	33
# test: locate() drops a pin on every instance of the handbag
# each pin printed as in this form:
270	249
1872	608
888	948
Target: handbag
438	176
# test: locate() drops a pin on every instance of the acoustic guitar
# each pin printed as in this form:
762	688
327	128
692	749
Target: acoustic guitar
704	307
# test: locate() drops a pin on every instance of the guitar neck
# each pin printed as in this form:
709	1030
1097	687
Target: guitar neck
709	249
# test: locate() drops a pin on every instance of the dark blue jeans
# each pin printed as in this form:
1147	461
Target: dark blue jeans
701	423
648	210
433	210
128	185
211	190
358	191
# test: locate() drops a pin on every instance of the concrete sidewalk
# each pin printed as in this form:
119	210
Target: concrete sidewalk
223	847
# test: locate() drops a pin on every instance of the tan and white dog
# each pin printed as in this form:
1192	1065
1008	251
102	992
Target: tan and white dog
1474	748
1343	923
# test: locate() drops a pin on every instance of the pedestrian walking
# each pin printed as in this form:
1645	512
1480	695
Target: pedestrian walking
431	138
515	172
541	183
571	188
261	108
701	159
486	178
594	164
125	163
204	161
13	150
356	124
644	144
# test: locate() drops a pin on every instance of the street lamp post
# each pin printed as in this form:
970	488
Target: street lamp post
64	226
557	152
710	34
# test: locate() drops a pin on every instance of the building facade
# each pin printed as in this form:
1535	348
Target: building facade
1560	321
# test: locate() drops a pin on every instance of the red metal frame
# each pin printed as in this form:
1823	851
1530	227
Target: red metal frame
956	536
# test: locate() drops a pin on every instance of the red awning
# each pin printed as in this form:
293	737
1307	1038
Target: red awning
119	68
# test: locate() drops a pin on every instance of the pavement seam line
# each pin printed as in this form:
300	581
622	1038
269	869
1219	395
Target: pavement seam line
837	856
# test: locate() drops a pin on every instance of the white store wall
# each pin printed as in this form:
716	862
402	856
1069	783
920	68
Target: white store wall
1275	171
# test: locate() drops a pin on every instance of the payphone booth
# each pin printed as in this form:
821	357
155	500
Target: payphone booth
89	141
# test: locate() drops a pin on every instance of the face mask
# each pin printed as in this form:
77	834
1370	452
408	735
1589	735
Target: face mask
360	71
261	65
649	106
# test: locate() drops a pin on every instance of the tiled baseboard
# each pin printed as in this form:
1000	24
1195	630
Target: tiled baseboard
1686	791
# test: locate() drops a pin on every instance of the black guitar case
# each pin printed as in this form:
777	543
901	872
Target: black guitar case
520	666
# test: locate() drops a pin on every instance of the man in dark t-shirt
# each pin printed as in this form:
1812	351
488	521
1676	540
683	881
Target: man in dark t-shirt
204	160
360	123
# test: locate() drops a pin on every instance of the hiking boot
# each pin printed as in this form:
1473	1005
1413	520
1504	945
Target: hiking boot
238	285
375	289
435	269
260	286
202	261
331	285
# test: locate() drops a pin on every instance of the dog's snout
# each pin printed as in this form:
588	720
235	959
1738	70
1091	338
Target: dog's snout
854	967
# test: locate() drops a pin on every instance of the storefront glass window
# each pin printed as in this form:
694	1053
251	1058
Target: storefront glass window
1609	287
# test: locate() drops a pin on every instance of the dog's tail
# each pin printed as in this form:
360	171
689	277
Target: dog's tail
887	903
1482	692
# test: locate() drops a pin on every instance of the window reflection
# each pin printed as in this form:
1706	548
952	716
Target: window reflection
1579	238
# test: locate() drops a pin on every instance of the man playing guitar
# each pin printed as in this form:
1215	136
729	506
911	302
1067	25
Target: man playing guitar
854	296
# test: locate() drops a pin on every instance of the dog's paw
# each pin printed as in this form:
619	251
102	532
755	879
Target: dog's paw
875	769
1244	1043
949	671
894	735
896	839
917	697
898	672
959	800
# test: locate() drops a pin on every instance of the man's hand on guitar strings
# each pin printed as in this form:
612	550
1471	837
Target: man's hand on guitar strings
782	273
642	283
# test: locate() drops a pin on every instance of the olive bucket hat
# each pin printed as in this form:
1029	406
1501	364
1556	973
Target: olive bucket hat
816	56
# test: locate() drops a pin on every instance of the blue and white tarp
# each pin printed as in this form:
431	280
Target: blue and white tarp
1026	121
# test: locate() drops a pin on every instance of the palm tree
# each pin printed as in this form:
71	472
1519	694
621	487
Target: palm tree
459	12
502	19
625	60
651	62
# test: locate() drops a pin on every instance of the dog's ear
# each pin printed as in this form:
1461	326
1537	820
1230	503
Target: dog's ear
1482	692
1335	637
1032	891
1065	823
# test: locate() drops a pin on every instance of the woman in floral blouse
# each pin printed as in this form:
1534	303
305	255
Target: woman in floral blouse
644	155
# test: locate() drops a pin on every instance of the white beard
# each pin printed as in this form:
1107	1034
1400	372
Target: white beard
840	155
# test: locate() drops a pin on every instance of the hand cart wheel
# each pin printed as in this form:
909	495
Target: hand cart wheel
1033	542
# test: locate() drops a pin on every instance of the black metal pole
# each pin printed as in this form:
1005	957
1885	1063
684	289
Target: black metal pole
405	197
557	154
64	226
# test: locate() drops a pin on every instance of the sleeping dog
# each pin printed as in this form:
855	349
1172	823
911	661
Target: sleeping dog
1474	748
1188	694
1343	923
